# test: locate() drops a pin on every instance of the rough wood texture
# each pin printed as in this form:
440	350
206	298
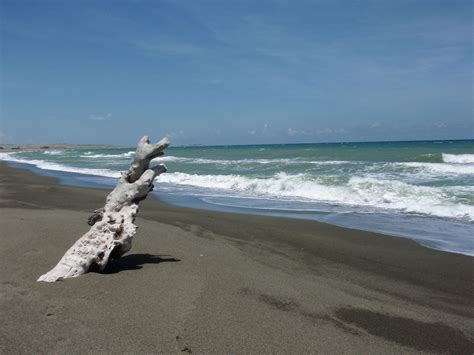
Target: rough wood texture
112	226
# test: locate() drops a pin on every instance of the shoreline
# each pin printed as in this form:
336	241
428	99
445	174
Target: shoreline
408	226
229	282
154	204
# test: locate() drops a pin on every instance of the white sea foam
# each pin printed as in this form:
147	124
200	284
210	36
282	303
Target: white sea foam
90	155
101	156
53	152
383	191
397	195
458	158
443	168
171	158
248	161
42	164
437	168
359	191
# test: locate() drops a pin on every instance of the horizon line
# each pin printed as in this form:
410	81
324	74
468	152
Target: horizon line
199	145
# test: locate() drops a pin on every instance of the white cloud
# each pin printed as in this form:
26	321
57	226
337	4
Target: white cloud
174	134
100	117
291	132
311	132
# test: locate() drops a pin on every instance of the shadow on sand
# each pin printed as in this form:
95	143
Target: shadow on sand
135	262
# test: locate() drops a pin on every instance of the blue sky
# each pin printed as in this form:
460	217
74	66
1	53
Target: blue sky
235	72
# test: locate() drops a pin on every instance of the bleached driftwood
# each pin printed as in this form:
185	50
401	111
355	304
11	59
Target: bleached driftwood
112	226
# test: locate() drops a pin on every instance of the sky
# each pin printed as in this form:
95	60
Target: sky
235	72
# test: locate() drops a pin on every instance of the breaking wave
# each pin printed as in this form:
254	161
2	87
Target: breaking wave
42	164
100	156
249	161
444	168
381	185
357	191
53	152
458	158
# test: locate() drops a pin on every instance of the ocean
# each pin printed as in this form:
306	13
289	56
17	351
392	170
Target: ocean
421	190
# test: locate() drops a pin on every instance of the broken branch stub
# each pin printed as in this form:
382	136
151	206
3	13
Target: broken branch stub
112	227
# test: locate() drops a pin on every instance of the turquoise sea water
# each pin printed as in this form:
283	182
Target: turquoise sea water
419	190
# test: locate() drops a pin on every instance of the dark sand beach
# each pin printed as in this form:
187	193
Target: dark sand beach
208	282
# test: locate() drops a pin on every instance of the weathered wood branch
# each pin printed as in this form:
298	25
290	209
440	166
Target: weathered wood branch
113	225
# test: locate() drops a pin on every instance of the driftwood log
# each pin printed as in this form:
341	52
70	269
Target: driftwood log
113	225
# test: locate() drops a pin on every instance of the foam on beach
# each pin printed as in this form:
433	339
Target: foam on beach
46	165
90	155
429	180
359	191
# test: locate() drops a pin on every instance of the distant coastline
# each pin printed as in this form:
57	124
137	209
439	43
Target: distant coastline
35	147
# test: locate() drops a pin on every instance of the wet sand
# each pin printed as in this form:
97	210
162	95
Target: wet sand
209	282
